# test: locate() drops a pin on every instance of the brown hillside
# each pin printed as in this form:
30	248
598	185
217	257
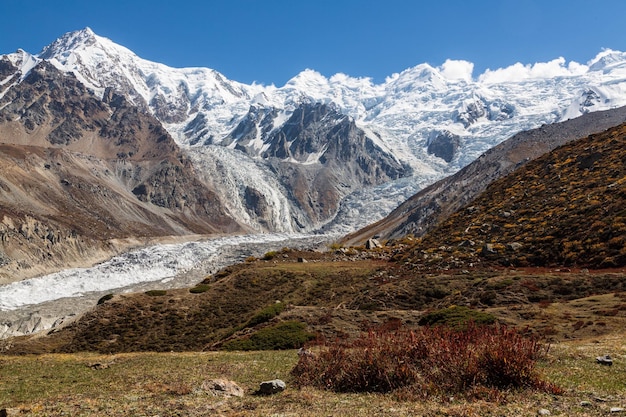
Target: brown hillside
77	172
565	208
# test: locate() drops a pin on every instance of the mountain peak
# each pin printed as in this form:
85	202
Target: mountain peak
79	39
605	59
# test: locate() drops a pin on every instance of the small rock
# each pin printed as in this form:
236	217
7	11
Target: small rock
222	387
302	352
617	410
302	260
488	249
604	360
8	412
97	366
272	387
585	403
543	412
372	244
514	246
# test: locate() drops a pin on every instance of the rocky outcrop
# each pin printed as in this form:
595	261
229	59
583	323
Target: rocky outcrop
320	156
444	145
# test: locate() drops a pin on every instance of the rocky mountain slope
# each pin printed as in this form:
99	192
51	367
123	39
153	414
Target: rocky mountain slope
79	171
435	203
566	208
432	120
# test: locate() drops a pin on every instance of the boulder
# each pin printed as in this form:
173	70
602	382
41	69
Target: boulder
222	387
372	244
272	387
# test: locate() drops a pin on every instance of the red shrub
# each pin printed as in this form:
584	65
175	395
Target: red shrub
436	360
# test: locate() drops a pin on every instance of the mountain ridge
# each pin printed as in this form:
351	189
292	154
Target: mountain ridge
80	172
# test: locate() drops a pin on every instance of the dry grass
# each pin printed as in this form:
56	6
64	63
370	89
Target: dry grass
168	384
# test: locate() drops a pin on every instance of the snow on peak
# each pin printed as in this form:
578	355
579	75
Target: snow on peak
23	61
420	77
606	59
69	42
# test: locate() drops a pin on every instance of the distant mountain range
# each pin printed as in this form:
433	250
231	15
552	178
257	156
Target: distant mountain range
420	125
126	147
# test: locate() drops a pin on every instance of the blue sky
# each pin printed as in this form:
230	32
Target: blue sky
271	41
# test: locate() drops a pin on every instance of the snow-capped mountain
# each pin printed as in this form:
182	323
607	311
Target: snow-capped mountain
262	144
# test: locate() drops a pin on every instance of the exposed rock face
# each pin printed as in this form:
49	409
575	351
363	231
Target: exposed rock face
256	202
444	145
477	107
321	156
78	171
435	203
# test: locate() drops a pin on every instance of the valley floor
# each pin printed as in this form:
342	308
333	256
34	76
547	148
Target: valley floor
170	384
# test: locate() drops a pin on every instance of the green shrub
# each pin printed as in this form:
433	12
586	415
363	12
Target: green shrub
105	298
431	361
266	314
286	335
156	293
457	317
199	289
269	255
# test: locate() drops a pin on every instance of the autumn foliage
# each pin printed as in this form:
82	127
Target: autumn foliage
429	361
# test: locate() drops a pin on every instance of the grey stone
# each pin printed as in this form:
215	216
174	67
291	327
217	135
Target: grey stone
585	404
617	410
543	412
604	360
514	246
272	387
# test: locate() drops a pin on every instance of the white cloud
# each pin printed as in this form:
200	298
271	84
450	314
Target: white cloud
519	72
457	70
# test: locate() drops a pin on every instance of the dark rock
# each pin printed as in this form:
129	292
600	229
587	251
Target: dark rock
488	249
372	244
255	202
445	145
